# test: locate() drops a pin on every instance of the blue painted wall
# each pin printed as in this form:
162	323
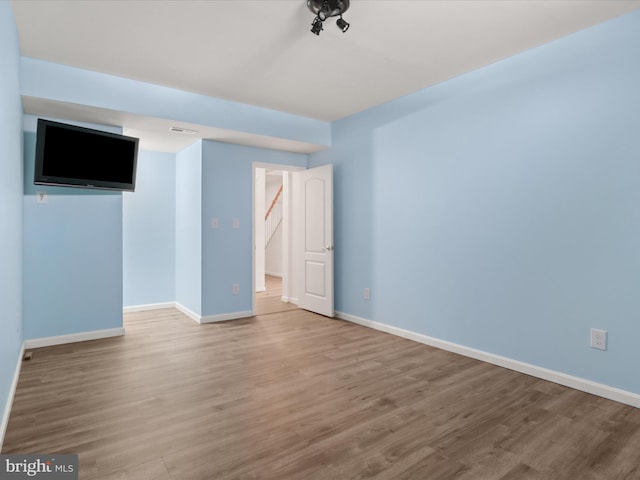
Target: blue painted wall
149	231
11	215
226	194
188	211
499	210
53	81
72	254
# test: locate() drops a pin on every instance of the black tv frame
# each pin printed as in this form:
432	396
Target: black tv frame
41	179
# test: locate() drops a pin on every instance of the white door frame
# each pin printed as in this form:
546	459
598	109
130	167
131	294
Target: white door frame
259	244
287	232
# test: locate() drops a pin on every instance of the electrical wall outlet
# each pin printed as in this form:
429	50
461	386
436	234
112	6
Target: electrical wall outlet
598	339
236	289
367	294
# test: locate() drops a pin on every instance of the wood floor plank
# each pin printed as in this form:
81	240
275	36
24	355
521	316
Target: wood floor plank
293	395
270	301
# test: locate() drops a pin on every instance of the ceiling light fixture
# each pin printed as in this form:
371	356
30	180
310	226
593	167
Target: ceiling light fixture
316	26
324	9
342	24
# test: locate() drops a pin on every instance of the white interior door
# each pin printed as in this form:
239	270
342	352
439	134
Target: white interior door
313	238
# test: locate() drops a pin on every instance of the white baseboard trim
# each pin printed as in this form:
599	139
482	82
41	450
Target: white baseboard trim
12	393
150	306
73	337
286	299
225	316
273	274
189	313
193	315
261	289
588	386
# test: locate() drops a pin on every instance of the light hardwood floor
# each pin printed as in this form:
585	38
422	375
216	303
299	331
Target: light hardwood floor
270	301
294	395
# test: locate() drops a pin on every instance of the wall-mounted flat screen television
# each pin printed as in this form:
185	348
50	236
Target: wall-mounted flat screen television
72	156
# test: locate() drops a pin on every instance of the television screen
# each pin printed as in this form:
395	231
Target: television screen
71	156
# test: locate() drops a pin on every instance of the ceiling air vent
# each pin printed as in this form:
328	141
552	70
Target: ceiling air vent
185	131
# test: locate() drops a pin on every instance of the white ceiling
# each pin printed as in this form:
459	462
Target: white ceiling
262	53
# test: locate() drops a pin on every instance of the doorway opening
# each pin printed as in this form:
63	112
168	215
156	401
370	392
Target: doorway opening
307	236
272	231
